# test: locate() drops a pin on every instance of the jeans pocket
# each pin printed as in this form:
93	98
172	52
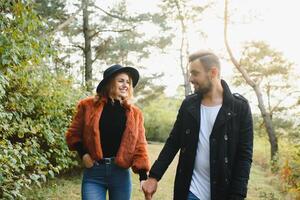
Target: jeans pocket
94	171
91	166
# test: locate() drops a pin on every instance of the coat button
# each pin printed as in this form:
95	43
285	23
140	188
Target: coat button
213	140
214	161
214	182
187	131
225	137
226	160
229	114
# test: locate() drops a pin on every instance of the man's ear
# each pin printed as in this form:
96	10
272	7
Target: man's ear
214	72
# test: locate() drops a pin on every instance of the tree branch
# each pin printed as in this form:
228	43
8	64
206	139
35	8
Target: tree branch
66	23
112	15
279	102
243	54
100	49
111	30
232	58
78	46
184	46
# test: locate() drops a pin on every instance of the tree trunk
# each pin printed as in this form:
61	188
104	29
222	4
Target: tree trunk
265	115
184	49
184	70
87	47
267	122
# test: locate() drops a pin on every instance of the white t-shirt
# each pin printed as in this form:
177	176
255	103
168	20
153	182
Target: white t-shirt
200	184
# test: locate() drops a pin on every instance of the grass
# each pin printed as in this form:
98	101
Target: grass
262	185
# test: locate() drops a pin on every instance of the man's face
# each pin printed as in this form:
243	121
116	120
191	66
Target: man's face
199	77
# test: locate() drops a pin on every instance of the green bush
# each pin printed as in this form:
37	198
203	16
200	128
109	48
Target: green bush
290	168
36	104
35	111
160	115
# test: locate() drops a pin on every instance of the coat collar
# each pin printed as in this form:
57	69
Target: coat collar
227	95
194	106
103	100
97	111
98	108
226	111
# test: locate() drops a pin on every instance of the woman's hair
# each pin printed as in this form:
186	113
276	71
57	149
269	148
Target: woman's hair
109	90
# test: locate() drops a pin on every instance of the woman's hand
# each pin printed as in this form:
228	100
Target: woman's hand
88	162
141	184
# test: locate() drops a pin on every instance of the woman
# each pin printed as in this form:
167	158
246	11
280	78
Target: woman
109	135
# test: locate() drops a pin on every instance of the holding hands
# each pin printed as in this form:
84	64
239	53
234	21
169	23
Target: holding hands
149	187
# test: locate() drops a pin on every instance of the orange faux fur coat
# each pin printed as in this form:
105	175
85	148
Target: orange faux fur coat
85	128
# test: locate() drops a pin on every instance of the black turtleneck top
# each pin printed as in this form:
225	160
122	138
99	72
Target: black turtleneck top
112	125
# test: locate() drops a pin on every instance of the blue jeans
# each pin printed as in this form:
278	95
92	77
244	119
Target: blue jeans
191	196
101	178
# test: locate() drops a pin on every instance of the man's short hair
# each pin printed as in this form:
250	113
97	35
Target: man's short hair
208	59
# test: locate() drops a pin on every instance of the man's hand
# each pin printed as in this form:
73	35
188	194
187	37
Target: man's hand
88	162
149	187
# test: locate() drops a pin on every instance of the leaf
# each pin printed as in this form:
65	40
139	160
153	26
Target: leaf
56	170
21	134
34	177
50	172
43	177
1	178
22	166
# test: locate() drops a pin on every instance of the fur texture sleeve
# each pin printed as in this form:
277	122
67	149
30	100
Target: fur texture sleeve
141	158
74	132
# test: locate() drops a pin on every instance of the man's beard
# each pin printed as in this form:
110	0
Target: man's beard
204	89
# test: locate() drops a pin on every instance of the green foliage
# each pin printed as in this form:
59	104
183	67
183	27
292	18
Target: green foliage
146	91
129	49
21	37
117	35
52	11
132	43
265	66
286	128
160	115
260	58
35	112
290	167
267	196
272	72
184	10
181	15
35	105
288	162
292	133
132	39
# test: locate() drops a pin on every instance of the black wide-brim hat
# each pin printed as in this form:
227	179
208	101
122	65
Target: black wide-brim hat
116	69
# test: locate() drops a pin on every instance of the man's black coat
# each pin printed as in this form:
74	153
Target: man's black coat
231	144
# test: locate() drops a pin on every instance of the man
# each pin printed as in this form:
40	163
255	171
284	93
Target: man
214	134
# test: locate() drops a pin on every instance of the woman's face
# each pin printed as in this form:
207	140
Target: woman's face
122	84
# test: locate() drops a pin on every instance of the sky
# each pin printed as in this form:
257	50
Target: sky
273	21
